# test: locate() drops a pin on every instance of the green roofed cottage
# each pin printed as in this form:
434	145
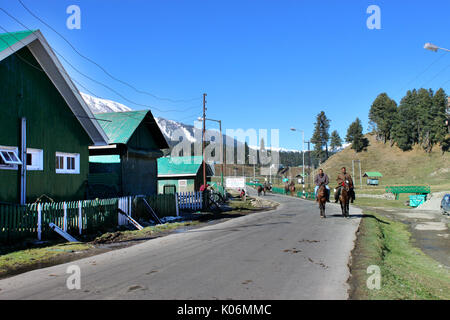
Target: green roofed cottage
182	173
45	126
128	165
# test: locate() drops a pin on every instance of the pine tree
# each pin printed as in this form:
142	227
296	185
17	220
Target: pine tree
440	113
335	141
355	136
382	116
321	136
403	130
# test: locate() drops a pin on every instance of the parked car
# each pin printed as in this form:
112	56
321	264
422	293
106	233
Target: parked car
445	204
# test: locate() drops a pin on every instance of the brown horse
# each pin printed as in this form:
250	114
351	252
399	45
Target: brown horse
289	187
322	199
344	199
261	189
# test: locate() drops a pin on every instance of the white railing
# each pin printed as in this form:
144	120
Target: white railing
125	206
189	200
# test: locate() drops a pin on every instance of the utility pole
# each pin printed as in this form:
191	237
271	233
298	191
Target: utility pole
353	171
309	164
203	140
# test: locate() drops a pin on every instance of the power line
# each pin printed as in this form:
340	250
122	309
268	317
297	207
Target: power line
436	75
92	79
425	70
102	68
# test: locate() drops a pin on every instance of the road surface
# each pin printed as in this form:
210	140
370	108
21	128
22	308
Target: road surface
287	253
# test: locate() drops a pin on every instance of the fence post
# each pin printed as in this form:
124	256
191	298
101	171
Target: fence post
80	219
65	216
39	226
176	204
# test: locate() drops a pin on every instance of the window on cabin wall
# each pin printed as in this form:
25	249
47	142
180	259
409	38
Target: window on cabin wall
67	163
35	159
9	158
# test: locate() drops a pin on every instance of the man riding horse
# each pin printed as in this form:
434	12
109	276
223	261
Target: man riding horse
322	179
344	177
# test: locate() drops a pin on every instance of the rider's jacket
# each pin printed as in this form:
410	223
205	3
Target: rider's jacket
342	177
318	180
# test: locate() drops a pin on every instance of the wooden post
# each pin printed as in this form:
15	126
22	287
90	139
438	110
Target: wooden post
39	226
176	204
80	219
65	217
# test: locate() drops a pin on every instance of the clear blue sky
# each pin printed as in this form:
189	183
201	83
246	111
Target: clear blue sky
263	64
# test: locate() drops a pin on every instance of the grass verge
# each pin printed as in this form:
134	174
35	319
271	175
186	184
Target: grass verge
406	272
24	259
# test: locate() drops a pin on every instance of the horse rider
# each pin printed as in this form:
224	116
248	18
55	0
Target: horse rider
322	178
344	177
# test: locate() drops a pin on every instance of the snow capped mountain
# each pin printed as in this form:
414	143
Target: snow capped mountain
173	130
102	105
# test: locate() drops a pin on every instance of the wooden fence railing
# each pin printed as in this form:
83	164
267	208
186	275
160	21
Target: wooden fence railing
190	200
19	222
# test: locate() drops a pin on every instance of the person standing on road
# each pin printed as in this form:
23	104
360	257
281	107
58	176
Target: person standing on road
322	178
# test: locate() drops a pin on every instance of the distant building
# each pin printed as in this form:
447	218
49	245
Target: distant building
128	165
373	177
182	173
45	127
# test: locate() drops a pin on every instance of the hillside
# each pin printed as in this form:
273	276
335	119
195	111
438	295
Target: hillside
397	167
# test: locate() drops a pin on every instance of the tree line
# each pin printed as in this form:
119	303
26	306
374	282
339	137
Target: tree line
420	119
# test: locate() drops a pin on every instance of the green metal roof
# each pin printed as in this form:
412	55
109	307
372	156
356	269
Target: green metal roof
179	165
120	126
115	158
372	174
9	39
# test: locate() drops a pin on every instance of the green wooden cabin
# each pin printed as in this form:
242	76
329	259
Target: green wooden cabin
45	125
128	165
373	177
185	174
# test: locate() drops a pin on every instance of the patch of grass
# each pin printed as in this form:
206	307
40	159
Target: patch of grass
145	232
406	272
239	205
29	257
385	203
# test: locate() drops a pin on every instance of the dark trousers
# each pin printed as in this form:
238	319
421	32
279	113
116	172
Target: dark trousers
338	193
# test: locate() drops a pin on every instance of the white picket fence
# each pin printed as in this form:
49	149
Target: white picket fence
125	206
189	200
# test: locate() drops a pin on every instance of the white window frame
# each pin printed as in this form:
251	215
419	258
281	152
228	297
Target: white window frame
65	156
37	158
9	165
182	183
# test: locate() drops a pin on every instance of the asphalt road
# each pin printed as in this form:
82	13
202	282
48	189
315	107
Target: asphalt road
287	253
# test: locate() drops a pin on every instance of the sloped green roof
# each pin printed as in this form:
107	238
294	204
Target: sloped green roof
179	165
120	126
372	174
9	39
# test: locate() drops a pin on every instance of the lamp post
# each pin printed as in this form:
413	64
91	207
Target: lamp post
432	47
303	157
222	155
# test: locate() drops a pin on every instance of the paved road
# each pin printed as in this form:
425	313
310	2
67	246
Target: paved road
288	253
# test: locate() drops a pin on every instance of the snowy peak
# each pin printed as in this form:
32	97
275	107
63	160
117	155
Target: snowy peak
102	105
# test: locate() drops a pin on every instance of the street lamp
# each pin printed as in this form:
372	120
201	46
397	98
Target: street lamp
432	47
303	157
221	145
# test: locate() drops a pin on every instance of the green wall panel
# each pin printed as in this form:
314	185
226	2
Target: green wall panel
51	126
